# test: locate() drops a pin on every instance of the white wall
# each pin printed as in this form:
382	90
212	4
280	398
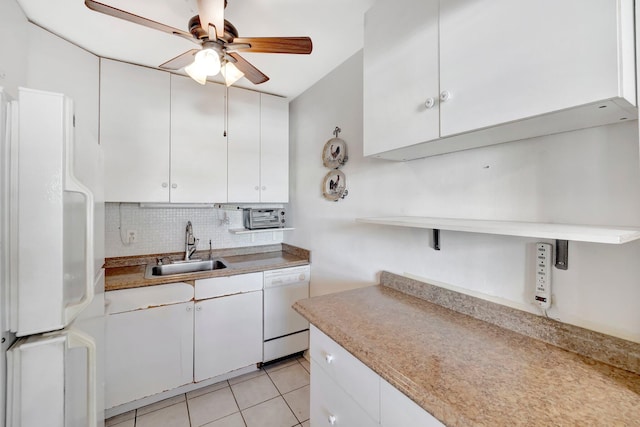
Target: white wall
13	45
586	177
162	230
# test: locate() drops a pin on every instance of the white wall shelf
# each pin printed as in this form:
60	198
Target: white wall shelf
579	233
262	230
562	233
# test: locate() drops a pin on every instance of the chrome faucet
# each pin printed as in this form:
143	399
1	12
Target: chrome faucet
190	242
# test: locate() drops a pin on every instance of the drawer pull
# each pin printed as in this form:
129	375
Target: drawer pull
332	420
329	358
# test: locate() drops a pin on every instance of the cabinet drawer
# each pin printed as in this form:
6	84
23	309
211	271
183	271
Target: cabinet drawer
219	286
397	410
124	300
357	380
331	406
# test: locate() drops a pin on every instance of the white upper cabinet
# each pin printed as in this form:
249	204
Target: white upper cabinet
243	133
134	132
471	73
258	147
274	149
169	139
506	60
400	74
198	142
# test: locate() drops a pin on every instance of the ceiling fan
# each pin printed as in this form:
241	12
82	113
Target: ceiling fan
219	43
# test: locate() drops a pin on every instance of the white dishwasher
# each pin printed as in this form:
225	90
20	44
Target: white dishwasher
285	331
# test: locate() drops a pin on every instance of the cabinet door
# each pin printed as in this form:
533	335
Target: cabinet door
400	74
504	60
228	334
274	149
243	136
148	351
134	132
198	143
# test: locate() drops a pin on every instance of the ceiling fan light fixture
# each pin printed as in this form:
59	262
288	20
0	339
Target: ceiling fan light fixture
231	73
217	38
206	63
196	73
209	61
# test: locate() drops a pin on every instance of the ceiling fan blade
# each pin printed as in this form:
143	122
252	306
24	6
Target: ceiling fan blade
252	74
299	45
236	47
117	13
180	60
211	12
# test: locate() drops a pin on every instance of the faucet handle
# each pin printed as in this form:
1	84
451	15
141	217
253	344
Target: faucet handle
159	259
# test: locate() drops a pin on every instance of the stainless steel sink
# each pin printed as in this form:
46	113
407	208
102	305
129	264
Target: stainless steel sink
183	267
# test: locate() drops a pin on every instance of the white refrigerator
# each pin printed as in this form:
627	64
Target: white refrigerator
52	284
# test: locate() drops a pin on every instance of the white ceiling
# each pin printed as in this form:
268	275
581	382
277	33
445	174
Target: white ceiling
335	27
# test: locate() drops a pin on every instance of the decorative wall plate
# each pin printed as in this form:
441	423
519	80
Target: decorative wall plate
334	186
334	153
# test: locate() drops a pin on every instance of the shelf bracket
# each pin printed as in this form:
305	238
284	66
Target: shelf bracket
562	254
436	239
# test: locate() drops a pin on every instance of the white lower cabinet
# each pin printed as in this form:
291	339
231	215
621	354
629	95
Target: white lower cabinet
397	410
357	380
158	338
345	392
149	350
331	405
228	334
228	324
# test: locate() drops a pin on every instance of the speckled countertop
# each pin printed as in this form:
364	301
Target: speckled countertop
129	272
471	372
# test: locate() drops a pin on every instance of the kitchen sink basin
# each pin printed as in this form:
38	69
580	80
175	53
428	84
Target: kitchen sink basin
183	267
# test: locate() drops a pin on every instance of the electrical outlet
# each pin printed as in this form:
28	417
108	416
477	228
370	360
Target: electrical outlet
132	236
543	275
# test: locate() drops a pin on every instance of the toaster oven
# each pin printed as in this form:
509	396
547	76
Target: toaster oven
263	218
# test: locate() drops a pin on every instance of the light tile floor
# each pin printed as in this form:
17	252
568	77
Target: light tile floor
275	396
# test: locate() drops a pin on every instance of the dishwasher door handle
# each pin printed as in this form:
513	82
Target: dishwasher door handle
280	283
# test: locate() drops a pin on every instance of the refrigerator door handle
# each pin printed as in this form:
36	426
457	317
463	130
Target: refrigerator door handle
77	339
74	185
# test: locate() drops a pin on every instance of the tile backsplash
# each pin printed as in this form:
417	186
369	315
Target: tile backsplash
160	230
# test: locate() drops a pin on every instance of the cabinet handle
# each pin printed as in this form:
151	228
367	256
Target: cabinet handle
264	188
256	188
328	358
332	420
430	103
174	185
165	185
445	95
199	308
189	308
